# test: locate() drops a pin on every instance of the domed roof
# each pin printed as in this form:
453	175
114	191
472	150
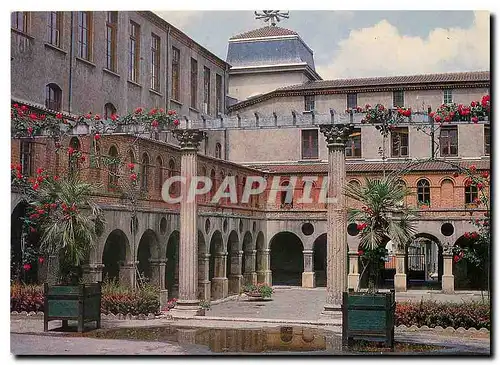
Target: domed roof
269	31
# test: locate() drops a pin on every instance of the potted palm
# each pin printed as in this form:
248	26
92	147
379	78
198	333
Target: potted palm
383	217
68	225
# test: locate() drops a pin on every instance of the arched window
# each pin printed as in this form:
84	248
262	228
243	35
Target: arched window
113	169
159	174
53	97
109	110
423	192
144	172
96	161
470	194
355	183
286	203
172	190
218	150
73	162
131	156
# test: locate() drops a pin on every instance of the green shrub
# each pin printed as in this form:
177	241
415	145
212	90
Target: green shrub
118	299
27	298
432	314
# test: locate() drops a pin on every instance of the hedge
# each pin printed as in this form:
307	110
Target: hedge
432	314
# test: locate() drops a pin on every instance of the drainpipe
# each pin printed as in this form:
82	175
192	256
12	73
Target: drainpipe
166	68
70	64
226	142
432	133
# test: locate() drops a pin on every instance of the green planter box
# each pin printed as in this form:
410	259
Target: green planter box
77	302
368	316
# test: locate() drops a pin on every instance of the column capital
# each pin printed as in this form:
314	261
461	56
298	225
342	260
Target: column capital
336	134
188	138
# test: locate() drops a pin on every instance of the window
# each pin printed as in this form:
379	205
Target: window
487	140
206	90
309	103
218	94
448	96
54	28
113	169
19	20
109	110
155	62
73	162
352	101
133	52
176	76
470	194
26	158
111	29
309	143
398	98
53	96
85	35
218	150
144	172
399	142
159	175
194	83
423	191
353	144
448	141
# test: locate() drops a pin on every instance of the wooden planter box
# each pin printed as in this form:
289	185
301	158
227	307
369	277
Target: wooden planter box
368	316
77	302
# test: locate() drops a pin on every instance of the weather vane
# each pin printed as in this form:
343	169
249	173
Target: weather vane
272	15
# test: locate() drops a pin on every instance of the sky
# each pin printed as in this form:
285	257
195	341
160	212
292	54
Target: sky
361	43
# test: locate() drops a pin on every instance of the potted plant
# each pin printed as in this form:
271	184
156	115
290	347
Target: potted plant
382	218
259	291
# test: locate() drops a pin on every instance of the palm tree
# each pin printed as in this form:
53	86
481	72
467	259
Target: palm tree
383	217
70	229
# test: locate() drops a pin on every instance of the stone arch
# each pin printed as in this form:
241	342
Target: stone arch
248	260
467	276
115	254
147	251
319	259
424	261
287	262
172	265
233	262
216	271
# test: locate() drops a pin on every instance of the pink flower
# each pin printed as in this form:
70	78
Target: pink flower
41	260
176	122
154	123
59	115
39	171
97	136
138	110
26	267
131	166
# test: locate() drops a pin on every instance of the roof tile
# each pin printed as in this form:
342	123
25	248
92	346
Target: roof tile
268	31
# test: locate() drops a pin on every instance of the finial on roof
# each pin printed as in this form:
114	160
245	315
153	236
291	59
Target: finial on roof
272	15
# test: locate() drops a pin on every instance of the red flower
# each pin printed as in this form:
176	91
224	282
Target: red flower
27	267
56	178
467	235
88	116
162	110
473	104
455	174
380	107
131	166
39	170
154	123
472	168
133	177
456	258
368	106
39	178
41	259
114	117
485	174
19	175
32	229
19	167
30	130
33	216
171	112
71	150
407	113
57	144
447	119
33	116
40	211
176	122
468	182
35	186
437	118
16	106
485	223
474	235
53	205
82	158
361	252
153	111
97	117
97	136
480	186
138	110
24	108
59	115
452	114
431	114
477	201
474	119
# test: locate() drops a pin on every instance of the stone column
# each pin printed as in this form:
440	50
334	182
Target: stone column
249	273
336	265
308	276
447	279
203	281
127	274
264	274
235	277
92	273
353	276
158	279
400	276
219	281
188	302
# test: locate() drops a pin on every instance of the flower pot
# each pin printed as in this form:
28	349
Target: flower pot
368	316
72	302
